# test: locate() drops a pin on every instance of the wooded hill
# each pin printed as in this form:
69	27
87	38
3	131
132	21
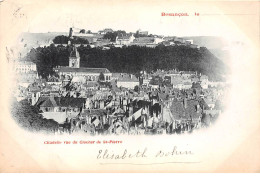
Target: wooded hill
132	59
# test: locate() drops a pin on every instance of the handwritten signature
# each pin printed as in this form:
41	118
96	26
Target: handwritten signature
111	155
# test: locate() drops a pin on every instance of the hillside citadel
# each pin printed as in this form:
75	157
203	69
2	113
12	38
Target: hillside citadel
97	101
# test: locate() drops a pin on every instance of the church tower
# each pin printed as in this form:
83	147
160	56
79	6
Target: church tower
74	59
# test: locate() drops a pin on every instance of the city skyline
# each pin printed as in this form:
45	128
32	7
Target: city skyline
96	17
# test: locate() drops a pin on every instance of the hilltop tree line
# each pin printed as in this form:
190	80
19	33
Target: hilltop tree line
132	59
61	39
112	35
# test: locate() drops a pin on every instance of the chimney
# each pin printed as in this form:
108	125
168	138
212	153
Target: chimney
70	32
197	108
185	103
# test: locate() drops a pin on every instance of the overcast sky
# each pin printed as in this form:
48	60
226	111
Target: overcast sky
59	15
131	16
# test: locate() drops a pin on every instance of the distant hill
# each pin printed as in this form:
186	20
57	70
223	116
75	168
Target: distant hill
132	59
210	42
182	58
216	45
222	54
26	41
39	39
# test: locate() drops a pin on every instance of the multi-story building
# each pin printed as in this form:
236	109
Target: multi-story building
126	80
74	69
124	40
24	67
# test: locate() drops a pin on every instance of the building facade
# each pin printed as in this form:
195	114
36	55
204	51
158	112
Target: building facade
125	40
24	67
75	71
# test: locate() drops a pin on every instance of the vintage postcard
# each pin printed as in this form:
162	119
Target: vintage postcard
129	86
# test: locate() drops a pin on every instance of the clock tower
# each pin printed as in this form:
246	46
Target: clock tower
74	59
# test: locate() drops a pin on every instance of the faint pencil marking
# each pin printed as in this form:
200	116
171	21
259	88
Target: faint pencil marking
174	162
212	14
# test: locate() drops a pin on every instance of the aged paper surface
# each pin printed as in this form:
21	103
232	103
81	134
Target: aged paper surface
232	144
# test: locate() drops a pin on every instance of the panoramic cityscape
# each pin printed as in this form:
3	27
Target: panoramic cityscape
114	82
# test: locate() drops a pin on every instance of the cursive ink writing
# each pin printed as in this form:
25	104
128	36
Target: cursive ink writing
107	154
110	155
173	152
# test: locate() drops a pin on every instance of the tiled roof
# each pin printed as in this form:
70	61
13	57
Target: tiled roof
60	102
172	72
42	101
167	115
165	43
116	75
204	104
22	62
144	40
163	96
50	102
142	103
196	85
169	38
106	30
194	79
127	78
203	77
179	111
153	93
91	84
188	72
103	40
91	112
123	37
209	100
187	83
83	69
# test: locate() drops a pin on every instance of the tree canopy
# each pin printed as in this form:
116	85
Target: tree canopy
101	77
29	118
61	39
112	35
83	31
132	59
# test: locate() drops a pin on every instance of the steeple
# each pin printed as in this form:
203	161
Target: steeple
74	59
70	36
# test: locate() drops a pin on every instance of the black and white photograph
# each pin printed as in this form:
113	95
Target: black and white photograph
116	81
118	75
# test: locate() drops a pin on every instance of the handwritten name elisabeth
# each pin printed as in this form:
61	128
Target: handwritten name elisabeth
108	154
